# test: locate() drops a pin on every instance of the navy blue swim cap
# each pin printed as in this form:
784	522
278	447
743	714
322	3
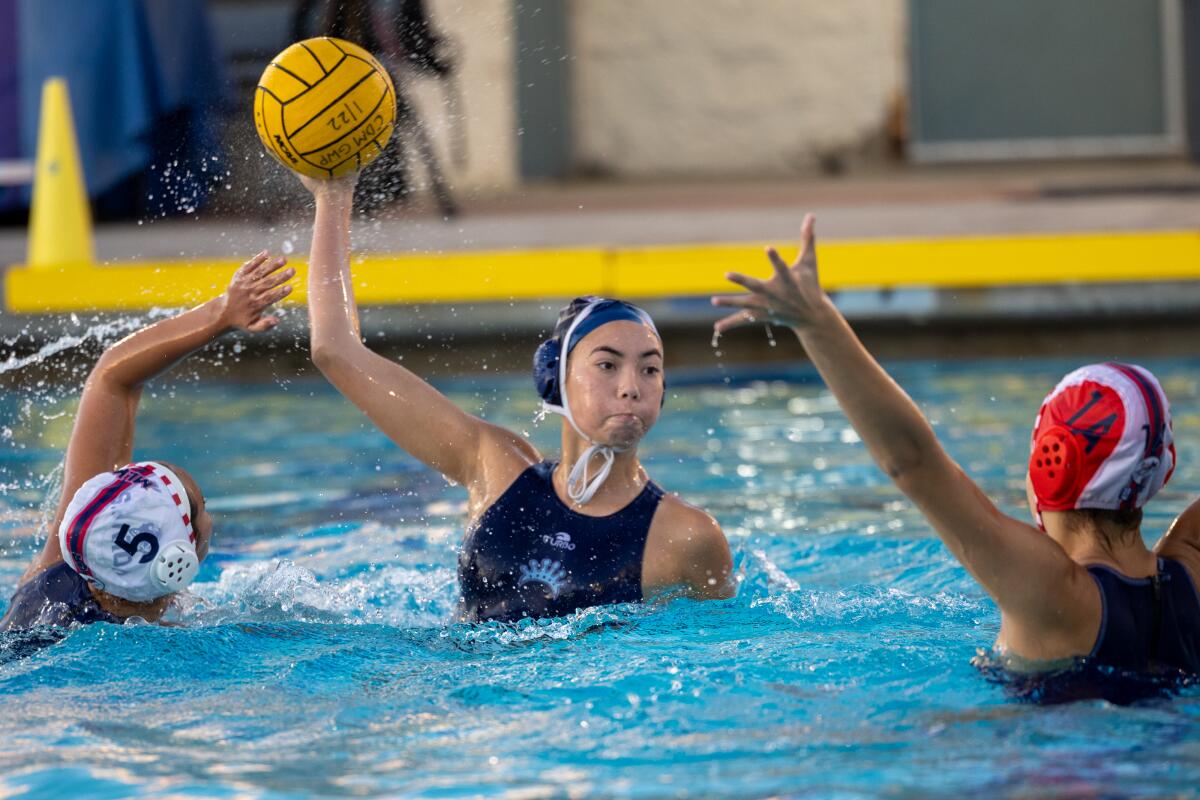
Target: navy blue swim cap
600	311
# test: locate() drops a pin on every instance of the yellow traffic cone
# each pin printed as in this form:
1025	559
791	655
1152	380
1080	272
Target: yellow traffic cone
60	222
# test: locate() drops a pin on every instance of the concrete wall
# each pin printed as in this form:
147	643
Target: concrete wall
483	31
709	87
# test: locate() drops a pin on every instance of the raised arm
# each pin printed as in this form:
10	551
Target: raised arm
413	414
1027	573
102	438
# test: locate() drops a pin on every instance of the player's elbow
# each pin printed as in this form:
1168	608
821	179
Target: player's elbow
111	370
909	457
331	346
327	355
902	468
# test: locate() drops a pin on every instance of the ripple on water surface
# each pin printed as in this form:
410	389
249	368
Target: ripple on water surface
319	655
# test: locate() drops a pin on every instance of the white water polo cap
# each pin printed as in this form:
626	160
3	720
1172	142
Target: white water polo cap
130	533
1102	439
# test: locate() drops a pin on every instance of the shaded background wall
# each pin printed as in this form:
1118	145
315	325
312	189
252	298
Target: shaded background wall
626	89
482	38
729	87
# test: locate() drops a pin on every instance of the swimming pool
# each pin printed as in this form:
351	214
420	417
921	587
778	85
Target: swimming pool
320	658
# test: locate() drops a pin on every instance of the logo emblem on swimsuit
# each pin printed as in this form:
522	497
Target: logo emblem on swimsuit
560	540
546	572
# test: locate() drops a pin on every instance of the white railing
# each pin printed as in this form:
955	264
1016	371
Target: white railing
16	173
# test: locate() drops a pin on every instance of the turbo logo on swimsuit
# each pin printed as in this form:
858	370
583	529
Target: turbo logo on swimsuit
561	540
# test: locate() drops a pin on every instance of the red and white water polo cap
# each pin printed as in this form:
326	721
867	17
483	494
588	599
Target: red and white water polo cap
130	532
1102	439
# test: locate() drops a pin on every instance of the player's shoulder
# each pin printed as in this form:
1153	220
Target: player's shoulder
498	443
688	525
1182	540
681	510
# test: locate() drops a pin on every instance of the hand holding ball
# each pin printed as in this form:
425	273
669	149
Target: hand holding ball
324	107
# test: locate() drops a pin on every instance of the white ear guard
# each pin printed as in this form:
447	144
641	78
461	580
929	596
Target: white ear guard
176	566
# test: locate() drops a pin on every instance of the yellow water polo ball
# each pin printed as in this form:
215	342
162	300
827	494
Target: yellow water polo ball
324	107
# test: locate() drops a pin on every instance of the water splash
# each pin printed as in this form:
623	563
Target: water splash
100	332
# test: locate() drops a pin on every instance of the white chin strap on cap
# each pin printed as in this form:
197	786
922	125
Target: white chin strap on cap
581	487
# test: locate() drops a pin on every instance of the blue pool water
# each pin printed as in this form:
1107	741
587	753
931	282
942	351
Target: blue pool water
320	658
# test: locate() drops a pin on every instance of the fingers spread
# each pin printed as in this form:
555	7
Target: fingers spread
273	279
740	301
808	235
267	267
753	284
781	266
253	263
262	324
735	320
269	296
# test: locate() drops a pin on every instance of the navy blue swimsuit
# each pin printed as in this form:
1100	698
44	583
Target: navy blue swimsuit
531	556
1148	624
56	597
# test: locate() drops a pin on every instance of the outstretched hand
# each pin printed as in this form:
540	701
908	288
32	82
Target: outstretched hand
792	296
256	286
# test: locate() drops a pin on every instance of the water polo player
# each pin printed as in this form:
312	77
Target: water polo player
1080	584
544	538
126	536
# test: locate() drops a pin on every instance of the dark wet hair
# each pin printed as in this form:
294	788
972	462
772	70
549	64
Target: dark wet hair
569	312
1111	525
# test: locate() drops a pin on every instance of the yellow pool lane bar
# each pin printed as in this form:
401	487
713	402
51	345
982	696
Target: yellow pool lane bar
635	272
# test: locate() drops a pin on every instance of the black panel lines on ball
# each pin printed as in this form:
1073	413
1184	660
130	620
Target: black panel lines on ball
357	155
277	99
287	71
366	119
262	111
314	55
369	63
336	45
336	100
312	163
283	127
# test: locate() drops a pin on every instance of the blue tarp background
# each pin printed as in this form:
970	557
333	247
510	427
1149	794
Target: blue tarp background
145	84
10	95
